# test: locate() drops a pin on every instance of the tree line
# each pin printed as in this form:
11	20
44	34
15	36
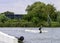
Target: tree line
37	13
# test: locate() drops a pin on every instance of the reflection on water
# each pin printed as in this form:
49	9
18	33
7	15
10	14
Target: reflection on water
52	36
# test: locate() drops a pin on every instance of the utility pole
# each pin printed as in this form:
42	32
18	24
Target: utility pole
49	20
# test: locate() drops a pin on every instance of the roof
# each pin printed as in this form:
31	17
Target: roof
15	16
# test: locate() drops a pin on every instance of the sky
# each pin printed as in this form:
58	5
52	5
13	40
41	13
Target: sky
19	6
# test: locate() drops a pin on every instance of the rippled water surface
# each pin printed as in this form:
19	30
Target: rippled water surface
52	36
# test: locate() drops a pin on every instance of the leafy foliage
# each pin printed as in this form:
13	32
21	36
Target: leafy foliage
41	10
37	14
3	18
8	13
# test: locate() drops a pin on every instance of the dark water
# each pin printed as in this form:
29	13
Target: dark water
52	36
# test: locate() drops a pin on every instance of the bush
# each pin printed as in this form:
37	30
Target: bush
55	24
26	24
1	24
44	24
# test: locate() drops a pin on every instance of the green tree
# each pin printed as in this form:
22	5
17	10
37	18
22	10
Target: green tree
3	18
58	16
39	11
51	11
8	13
36	10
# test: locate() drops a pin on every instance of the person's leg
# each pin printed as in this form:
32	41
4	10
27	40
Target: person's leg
40	31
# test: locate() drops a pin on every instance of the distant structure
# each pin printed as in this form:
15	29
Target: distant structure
11	15
17	16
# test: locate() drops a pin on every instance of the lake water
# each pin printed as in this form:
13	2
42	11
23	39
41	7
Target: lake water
52	36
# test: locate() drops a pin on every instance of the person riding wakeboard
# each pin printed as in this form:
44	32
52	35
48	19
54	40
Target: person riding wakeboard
40	29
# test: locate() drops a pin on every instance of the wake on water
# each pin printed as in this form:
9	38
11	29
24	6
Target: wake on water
34	31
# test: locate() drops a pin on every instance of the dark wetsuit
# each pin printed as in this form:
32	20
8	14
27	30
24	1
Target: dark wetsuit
40	29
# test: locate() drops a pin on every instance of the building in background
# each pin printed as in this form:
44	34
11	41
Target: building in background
17	16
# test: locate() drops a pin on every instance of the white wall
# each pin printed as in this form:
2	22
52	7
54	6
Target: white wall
4	38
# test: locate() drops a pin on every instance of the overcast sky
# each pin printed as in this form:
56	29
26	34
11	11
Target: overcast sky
19	6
